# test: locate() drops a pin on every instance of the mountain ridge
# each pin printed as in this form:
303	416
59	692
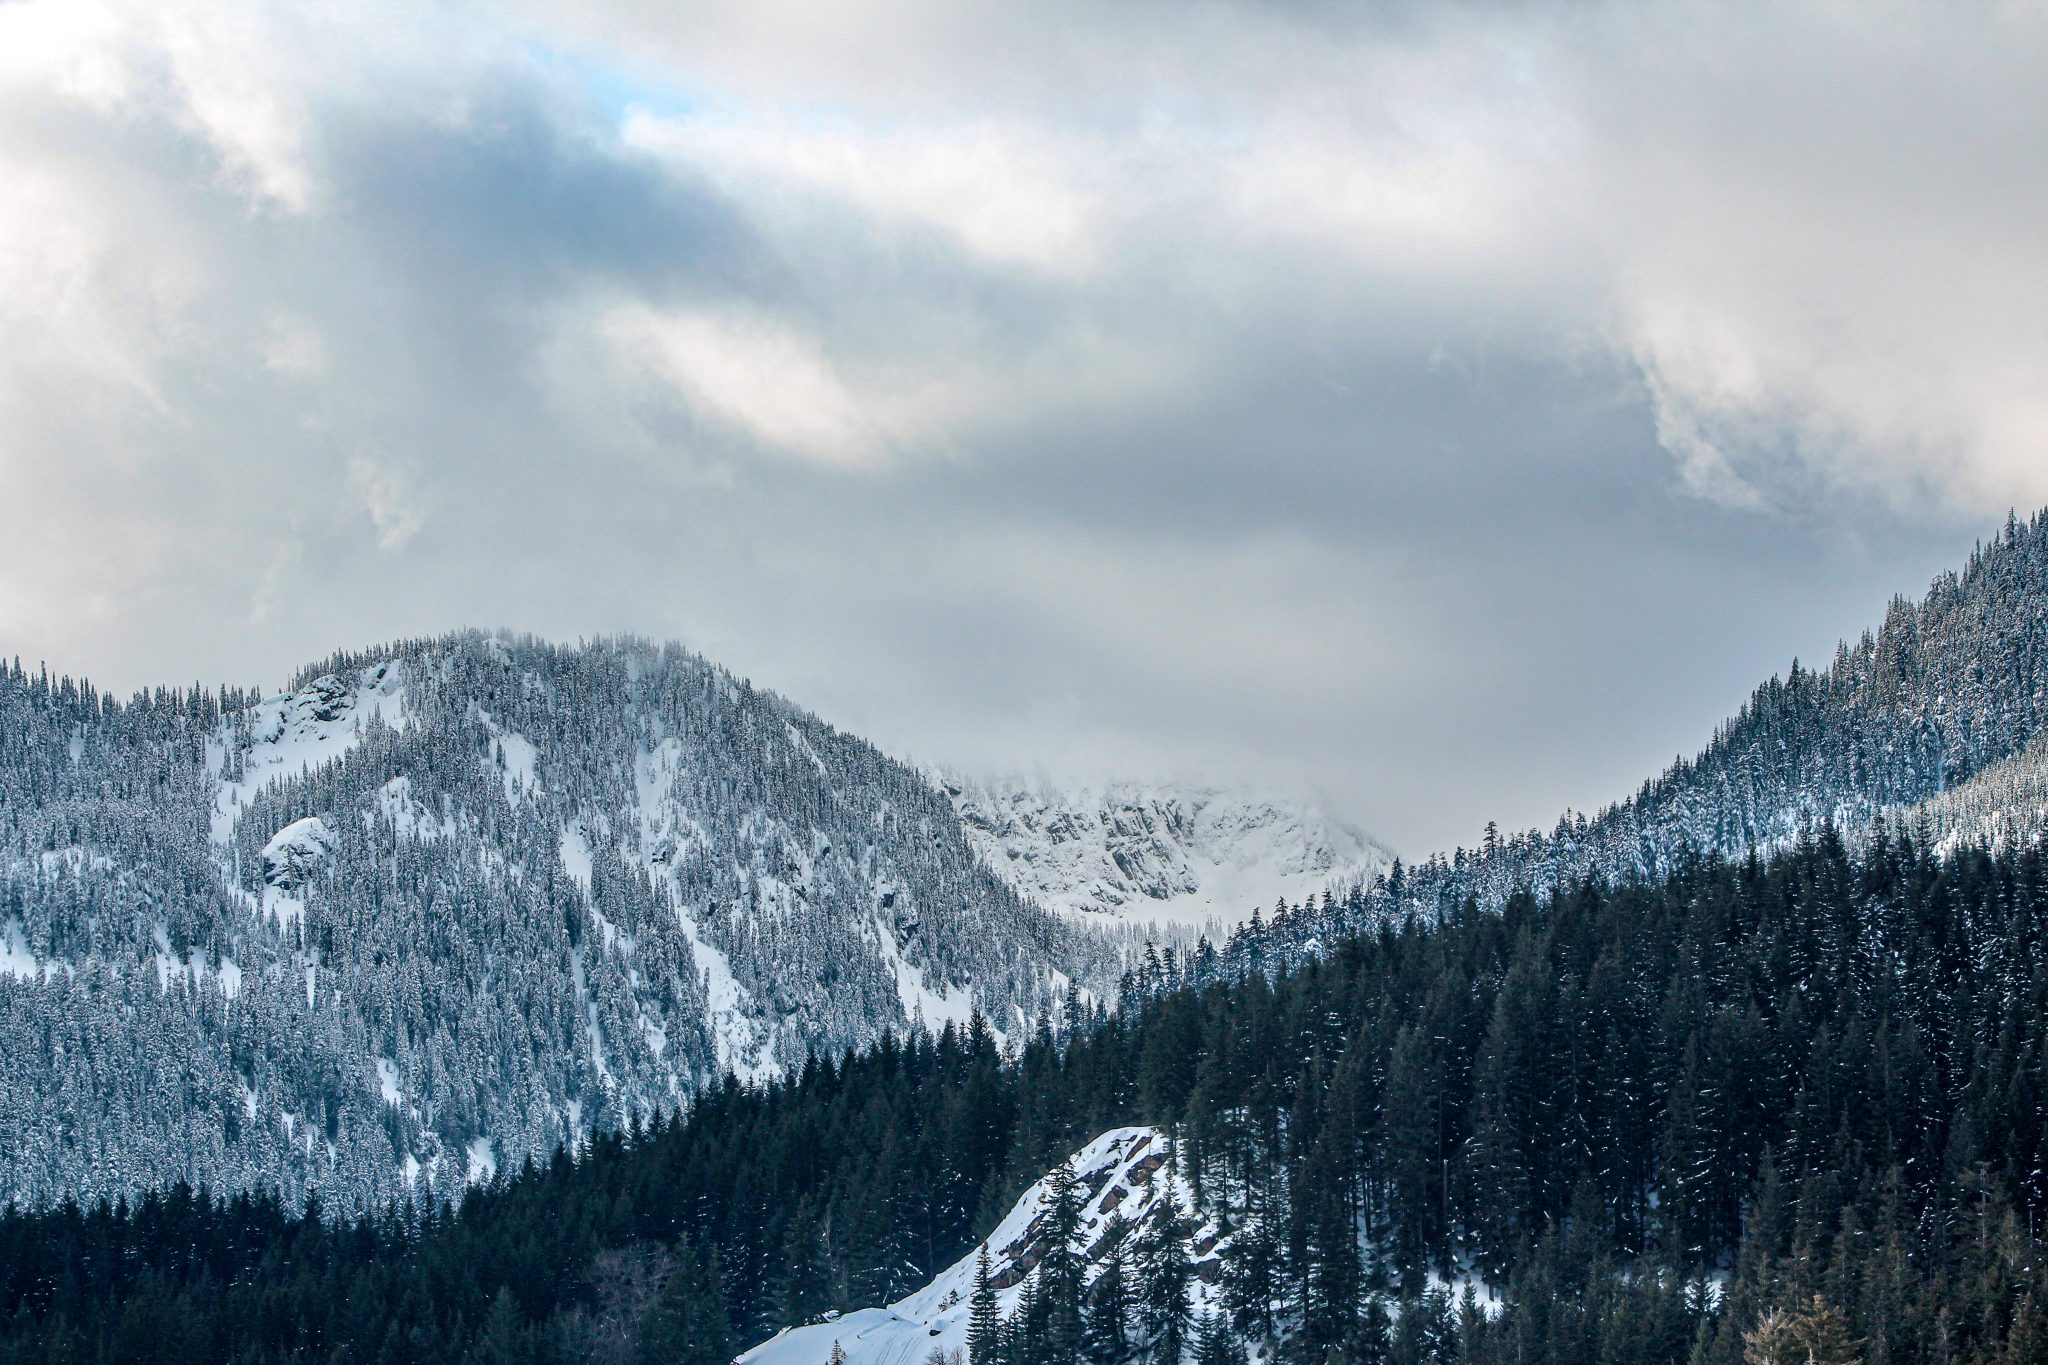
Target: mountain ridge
452	902
1944	689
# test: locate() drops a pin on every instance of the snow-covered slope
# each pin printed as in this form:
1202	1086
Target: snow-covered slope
1121	1175
1158	853
2003	807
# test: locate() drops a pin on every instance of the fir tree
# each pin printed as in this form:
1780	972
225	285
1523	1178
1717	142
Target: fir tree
1106	1329
1060	1269
1168	1276
2027	1339
503	1338
984	1315
804	1285
1252	1274
1815	1335
1215	1343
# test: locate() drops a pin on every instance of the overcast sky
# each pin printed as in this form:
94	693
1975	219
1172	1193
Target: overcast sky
1454	409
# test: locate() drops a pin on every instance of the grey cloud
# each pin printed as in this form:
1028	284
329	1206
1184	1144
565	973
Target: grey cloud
1316	407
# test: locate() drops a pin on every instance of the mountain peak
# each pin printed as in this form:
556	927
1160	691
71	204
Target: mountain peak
1158	853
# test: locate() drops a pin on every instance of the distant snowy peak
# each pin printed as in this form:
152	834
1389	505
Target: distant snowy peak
1158	853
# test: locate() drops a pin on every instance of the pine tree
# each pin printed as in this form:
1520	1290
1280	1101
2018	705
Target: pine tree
1694	1160
1334	1276
2026	1341
502	1338
1252	1274
1106	1329
984	1315
1818	1335
1024	1334
1374	1339
804	1285
1168	1276
1413	1146
1215	1343
1060	1268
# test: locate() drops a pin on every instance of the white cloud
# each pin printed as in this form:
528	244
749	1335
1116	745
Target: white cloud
1832	275
1004	193
387	493
217	53
210	67
1815	228
770	383
278	581
293	346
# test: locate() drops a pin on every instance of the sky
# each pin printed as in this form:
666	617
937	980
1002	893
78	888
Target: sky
1451	410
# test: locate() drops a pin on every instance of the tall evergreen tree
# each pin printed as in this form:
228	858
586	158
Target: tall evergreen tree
1106	1338
502	1338
984	1315
1061	1272
1215	1343
804	1283
1165	1298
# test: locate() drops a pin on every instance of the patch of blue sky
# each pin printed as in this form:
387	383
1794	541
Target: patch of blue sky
618	89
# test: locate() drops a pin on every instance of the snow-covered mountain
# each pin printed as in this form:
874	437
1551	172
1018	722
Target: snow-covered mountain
443	905
1158	853
1119	1179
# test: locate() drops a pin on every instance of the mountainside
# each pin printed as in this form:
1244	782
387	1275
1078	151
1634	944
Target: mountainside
2004	806
1758	1107
447	904
1943	691
1158	854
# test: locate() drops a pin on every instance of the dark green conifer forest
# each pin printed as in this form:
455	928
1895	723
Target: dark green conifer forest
1759	1112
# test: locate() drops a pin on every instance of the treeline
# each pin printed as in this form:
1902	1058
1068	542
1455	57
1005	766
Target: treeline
1672	1122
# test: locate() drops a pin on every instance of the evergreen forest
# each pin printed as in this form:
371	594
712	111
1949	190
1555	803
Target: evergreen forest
1759	1111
